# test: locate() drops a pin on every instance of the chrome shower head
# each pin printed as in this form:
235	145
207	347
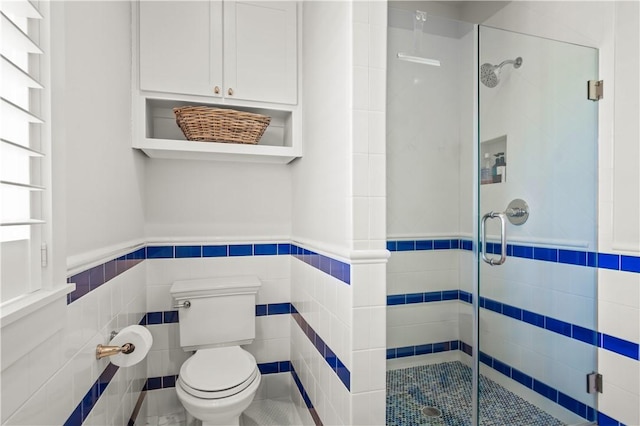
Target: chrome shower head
490	74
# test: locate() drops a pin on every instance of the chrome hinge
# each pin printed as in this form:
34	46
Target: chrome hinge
43	255
594	383
595	90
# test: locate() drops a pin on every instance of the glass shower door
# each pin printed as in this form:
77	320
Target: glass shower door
537	193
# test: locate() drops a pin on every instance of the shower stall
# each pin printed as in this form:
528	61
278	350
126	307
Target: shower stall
492	226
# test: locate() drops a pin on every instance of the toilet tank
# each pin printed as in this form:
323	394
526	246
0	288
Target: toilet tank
221	311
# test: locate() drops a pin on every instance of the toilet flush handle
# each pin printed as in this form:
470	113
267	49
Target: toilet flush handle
186	304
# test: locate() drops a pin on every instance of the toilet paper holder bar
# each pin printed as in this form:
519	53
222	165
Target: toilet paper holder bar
103	351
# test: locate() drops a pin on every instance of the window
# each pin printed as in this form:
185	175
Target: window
23	144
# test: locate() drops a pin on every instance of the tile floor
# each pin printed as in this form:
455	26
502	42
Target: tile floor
447	386
264	412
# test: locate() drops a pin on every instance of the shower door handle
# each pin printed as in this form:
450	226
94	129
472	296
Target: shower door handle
503	238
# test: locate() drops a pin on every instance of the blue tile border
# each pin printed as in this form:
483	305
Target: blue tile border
170	317
592	337
549	253
428	244
92	278
325	351
164	382
425	349
82	410
336	268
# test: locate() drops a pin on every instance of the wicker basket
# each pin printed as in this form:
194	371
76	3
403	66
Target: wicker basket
207	124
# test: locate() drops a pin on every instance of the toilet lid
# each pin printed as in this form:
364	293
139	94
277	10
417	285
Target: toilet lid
218	369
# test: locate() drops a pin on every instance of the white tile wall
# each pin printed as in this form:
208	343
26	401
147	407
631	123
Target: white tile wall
272	332
46	385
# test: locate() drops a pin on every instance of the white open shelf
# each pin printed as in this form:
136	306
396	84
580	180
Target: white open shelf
162	138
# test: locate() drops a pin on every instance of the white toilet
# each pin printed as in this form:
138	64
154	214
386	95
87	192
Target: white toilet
217	315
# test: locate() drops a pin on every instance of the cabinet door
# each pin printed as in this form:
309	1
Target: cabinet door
260	50
181	46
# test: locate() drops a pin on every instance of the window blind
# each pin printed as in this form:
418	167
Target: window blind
21	152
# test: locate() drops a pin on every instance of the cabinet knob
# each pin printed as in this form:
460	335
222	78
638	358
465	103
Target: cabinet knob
216	90
230	92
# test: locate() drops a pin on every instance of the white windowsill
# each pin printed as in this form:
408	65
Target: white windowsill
16	309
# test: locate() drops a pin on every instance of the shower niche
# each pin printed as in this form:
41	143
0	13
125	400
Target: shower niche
493	161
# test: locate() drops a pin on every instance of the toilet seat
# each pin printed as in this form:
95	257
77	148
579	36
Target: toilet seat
218	373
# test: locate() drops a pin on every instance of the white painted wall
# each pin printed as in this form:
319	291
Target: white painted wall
321	189
423	135
207	201
105	177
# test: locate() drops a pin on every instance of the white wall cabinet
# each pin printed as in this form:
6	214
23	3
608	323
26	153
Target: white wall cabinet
228	49
222	53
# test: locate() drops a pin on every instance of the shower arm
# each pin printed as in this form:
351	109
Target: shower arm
516	63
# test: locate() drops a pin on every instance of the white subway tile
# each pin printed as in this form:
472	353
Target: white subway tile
369	326
44	361
160	334
619	320
159	298
59	398
360	45
269	350
273	327
619	404
378	46
361	88
368	408
619	370
173	360
377	133
361	132
360	11
360	175
98	414
277	267
619	287
378	214
33	412
15	387
154	363
378	13
377	89
361	217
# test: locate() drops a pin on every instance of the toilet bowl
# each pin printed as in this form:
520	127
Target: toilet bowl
217	315
217	385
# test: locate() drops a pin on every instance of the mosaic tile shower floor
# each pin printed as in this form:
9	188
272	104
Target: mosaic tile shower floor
447	386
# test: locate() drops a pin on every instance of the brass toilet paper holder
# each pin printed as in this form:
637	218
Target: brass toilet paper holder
103	351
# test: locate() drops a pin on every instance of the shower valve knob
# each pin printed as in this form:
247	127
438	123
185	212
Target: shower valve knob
186	304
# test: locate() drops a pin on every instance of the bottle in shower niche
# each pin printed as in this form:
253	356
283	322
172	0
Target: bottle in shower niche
485	170
500	168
